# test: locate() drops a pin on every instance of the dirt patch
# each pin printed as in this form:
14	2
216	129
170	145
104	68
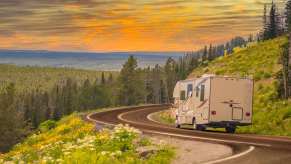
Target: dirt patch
192	152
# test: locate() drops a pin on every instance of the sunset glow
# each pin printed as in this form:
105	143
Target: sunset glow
125	25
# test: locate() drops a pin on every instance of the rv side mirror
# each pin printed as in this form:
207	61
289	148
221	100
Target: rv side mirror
190	94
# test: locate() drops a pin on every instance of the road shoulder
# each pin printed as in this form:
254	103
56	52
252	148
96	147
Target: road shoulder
190	151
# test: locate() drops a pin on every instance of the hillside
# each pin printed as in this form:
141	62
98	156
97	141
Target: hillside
28	78
272	116
72	140
31	95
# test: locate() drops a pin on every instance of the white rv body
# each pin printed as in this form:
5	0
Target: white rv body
214	101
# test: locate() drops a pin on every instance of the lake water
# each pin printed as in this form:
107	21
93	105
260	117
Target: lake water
83	60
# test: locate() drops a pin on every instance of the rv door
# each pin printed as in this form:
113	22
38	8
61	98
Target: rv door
235	109
237	113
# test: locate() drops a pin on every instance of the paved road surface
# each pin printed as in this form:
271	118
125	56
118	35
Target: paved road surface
267	149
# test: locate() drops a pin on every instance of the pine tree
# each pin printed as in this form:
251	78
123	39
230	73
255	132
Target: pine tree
171	76
46	106
265	24
27	107
288	15
68	92
210	53
131	86
250	38
103	81
12	124
57	111
34	119
192	64
148	86
273	26
285	70
164	96
86	98
227	49
182	69
157	84
110	78
204	55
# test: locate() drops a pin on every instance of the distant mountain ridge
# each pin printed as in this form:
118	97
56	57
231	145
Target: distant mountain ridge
44	53
162	53
83	60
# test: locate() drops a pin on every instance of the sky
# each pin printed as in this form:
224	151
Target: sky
125	25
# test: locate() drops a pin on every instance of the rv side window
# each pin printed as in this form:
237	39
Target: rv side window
189	90
182	95
197	91
202	93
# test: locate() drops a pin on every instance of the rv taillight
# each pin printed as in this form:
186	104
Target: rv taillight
248	114
213	112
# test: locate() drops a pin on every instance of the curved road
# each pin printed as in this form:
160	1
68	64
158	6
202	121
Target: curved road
247	148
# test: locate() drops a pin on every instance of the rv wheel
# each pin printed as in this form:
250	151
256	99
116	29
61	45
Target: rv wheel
201	127
230	129
177	124
194	123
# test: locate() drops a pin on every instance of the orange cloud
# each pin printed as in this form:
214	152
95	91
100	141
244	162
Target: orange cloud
163	25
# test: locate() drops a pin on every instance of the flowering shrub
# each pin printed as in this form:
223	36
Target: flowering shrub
47	125
167	117
74	141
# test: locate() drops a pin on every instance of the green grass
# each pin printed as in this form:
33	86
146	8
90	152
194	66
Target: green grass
71	140
164	117
272	116
259	60
43	78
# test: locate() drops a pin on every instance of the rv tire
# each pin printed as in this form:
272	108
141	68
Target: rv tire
194	123
177	124
230	129
201	127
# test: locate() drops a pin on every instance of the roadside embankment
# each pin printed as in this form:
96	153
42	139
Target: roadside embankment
72	140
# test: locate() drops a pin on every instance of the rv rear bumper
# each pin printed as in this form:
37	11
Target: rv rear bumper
224	124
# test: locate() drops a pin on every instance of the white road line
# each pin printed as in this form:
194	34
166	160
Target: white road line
97	121
251	148
120	108
203	138
149	117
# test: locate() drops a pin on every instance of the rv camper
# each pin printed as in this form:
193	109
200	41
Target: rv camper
214	101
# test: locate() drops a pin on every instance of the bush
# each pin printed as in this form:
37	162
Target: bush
267	75
47	125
